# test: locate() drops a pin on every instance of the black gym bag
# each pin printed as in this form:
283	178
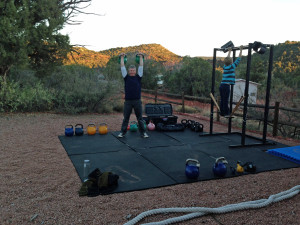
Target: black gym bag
160	113
170	127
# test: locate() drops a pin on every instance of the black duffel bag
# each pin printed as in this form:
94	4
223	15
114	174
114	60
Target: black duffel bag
170	127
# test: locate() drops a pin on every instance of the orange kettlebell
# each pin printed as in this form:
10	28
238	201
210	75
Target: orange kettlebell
103	128
91	129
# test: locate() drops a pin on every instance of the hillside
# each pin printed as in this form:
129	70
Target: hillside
91	58
86	57
286	56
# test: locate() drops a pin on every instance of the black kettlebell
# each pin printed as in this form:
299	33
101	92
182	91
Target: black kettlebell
249	167
78	129
184	122
193	126
259	47
198	127
190	123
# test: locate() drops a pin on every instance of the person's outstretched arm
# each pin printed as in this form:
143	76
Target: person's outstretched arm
123	68
241	50
122	59
229	51
141	59
140	69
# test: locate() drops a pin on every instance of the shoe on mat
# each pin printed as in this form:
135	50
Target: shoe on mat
145	135
121	135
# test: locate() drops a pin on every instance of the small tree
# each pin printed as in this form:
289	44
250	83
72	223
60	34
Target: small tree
193	77
29	33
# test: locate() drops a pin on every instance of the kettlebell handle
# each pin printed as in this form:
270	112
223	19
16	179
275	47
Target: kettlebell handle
192	160
221	159
133	122
103	124
71	126
91	125
79	125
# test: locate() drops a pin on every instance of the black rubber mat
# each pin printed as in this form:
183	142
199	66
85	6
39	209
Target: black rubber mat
159	160
90	144
135	172
191	137
156	139
172	161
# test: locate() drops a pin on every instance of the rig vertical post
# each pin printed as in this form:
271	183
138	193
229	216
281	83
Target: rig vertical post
213	79
246	94
231	99
267	103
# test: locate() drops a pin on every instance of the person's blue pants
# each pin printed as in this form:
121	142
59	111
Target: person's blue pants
224	93
138	110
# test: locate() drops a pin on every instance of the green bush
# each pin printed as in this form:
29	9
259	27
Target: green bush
70	89
17	98
80	89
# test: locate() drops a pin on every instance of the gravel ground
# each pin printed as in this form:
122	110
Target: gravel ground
40	184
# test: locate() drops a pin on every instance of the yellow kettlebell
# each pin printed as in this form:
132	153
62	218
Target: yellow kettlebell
239	168
91	129
103	128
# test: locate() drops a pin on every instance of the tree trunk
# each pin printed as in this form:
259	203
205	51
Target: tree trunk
4	71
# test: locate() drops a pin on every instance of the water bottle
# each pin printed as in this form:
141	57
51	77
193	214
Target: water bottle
86	169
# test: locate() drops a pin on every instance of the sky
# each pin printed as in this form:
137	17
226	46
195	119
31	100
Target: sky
186	27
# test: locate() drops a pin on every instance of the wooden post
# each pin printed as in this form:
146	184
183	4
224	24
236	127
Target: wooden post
218	112
155	98
182	97
275	121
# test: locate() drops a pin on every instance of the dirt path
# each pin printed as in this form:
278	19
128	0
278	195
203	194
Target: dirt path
40	184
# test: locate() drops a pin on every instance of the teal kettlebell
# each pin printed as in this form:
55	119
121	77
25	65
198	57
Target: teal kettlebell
137	58
125	59
133	126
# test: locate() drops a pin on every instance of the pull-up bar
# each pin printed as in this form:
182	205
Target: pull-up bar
261	49
257	46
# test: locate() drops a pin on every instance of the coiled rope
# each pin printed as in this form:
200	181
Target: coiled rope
200	211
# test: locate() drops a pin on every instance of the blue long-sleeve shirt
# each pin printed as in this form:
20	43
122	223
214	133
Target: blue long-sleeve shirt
228	76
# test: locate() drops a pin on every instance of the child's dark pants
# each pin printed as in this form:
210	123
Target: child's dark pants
224	92
137	106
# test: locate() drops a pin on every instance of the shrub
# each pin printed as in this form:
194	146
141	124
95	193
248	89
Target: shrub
70	89
16	97
81	89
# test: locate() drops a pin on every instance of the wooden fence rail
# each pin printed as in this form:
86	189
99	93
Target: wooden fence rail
275	122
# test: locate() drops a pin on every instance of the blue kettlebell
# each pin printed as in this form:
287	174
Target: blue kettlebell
78	129
69	131
133	126
219	167
192	167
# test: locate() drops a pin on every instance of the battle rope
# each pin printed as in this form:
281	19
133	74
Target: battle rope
200	211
